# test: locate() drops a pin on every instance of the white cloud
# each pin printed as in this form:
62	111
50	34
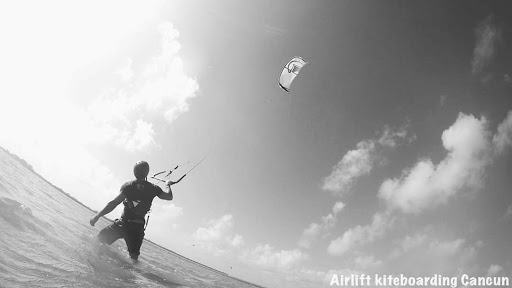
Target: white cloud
367	262
427	185
237	241
446	248
354	164
314	230
424	254
142	137
216	230
162	88
163	220
361	235
359	162
267	256
409	243
166	211
394	137
218	237
503	138
488	36
494	270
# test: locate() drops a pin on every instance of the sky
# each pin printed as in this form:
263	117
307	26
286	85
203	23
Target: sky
391	153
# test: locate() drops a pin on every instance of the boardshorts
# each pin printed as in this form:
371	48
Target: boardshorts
133	234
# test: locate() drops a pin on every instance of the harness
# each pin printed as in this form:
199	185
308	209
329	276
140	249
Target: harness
135	210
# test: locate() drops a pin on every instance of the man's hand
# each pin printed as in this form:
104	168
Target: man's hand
169	183
93	220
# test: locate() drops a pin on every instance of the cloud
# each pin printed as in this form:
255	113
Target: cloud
393	137
126	73
488	35
218	237
163	220
142	137
503	138
314	230
216	230
366	262
166	85
361	235
353	165
359	162
267	256
424	254
162	88
426	185
408	243
494	270
470	151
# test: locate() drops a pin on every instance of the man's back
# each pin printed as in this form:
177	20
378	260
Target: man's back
139	197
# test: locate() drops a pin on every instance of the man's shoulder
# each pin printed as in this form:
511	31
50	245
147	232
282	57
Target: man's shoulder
155	187
157	190
137	186
128	183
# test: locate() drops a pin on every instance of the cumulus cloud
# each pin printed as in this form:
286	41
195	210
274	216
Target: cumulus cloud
141	138
427	185
354	164
488	35
503	138
360	161
162	88
163	221
219	239
361	235
315	230
218	236
470	149
423	254
267	256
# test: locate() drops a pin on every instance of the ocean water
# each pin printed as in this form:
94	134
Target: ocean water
46	241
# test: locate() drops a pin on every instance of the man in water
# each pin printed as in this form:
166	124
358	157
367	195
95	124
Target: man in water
137	196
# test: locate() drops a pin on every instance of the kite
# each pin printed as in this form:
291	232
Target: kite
290	71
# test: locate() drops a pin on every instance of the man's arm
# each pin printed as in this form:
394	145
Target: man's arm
167	195
108	208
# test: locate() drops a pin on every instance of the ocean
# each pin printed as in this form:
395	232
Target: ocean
46	241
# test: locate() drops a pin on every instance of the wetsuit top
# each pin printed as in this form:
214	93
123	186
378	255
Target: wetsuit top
139	196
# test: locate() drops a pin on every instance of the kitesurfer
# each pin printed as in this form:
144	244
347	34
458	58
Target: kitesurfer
137	196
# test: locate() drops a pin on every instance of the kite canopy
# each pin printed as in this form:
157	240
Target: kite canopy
290	71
